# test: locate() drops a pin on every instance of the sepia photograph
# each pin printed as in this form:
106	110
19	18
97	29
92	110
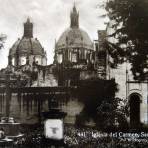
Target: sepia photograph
74	74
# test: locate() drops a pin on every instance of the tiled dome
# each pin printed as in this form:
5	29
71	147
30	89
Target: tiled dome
74	37
26	46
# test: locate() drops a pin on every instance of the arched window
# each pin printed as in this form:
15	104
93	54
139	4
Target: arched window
74	57
23	60
60	58
13	61
38	60
134	110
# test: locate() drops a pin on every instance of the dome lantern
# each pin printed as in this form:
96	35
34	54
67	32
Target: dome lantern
28	29
74	18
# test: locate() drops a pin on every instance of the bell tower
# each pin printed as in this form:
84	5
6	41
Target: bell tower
74	16
28	29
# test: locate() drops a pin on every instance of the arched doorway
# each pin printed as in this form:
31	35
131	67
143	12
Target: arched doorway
134	110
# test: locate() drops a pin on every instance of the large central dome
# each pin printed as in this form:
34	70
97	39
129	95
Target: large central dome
74	45
74	37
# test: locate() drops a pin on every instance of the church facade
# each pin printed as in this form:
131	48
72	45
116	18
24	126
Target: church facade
133	92
76	58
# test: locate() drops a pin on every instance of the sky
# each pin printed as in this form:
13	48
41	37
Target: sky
50	19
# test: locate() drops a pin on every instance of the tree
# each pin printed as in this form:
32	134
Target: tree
100	104
2	40
112	115
130	28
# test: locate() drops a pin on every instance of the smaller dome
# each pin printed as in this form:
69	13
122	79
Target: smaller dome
26	46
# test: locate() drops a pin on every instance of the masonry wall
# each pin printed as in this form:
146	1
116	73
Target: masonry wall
27	112
128	86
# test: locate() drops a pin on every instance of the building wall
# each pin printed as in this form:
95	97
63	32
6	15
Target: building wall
128	86
27	112
123	76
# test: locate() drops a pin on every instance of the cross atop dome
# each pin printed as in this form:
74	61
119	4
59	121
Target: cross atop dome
74	16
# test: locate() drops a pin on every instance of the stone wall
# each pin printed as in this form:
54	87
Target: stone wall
128	86
27	112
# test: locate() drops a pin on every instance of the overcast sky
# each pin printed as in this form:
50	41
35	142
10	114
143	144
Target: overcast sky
50	19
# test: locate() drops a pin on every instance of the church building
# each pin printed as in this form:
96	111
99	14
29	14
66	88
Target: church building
76	59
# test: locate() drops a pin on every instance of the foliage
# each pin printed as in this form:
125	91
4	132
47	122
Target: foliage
100	104
76	138
112	115
2	40
129	21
